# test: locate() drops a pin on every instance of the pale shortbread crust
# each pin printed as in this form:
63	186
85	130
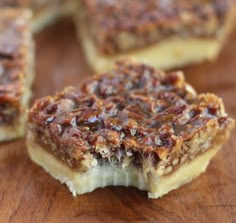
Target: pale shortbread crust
102	176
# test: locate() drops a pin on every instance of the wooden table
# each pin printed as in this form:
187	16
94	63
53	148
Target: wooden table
28	194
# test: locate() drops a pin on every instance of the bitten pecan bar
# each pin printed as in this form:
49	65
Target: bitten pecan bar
165	34
16	71
134	126
45	12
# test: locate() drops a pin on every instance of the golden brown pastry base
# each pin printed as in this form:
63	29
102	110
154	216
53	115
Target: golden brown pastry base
170	53
102	176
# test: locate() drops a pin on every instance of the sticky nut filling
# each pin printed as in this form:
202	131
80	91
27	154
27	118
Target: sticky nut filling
134	115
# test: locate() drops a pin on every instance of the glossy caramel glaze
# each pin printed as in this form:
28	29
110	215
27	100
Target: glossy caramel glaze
134	110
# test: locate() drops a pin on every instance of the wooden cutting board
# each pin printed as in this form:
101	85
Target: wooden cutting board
28	194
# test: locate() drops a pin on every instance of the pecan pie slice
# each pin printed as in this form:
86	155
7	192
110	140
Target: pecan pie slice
45	11
165	34
134	126
16	71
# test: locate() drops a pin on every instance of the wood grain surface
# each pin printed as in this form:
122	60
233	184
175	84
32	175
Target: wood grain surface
28	194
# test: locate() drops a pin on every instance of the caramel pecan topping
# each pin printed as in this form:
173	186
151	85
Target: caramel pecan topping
133	110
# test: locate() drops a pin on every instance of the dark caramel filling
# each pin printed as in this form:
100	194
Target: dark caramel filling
134	110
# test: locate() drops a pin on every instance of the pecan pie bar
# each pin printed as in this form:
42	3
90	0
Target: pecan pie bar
165	34
45	12
16	71
134	126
